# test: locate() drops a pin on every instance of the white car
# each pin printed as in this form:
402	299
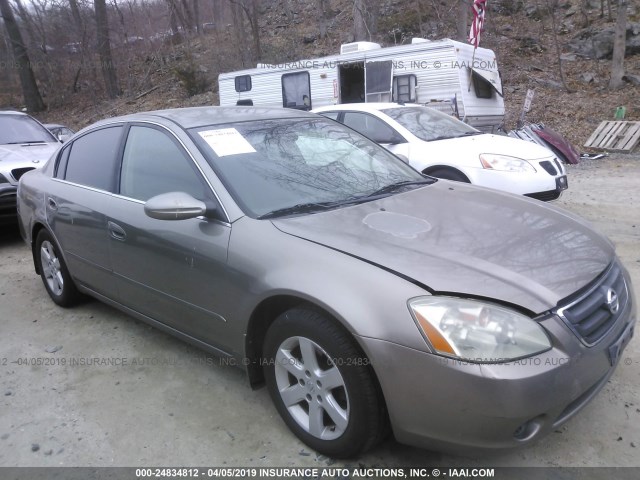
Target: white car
444	147
24	145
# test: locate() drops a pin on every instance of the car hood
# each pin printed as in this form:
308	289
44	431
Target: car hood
26	155
464	240
487	143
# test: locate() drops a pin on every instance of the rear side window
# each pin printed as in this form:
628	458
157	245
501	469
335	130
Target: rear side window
63	158
370	126
93	158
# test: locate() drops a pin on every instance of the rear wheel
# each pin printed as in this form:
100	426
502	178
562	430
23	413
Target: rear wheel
53	271
321	384
449	174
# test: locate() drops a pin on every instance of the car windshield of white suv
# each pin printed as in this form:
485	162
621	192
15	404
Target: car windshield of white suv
284	167
428	124
19	129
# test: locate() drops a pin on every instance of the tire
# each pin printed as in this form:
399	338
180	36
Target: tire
54	272
334	406
449	174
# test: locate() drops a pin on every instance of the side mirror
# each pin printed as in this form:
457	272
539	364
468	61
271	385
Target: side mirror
175	206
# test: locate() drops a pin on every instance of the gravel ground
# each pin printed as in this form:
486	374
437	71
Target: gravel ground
178	407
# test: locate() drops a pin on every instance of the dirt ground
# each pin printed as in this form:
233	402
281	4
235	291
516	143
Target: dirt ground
177	407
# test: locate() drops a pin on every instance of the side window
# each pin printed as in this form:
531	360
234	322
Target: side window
370	126
404	88
296	91
331	115
481	86
61	166
243	83
153	164
93	158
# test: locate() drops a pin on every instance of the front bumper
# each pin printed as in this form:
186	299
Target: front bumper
452	405
541	184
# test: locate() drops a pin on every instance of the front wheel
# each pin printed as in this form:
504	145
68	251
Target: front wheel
321	384
449	174
53	271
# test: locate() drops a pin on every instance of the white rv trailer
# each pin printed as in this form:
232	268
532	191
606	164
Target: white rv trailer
442	73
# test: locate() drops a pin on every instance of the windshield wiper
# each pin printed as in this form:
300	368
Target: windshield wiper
298	208
398	185
469	134
28	142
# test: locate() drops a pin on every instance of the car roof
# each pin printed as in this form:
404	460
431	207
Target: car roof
201	116
364	107
12	112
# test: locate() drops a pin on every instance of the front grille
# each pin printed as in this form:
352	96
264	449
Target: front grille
558	166
548	166
591	315
545	196
18	172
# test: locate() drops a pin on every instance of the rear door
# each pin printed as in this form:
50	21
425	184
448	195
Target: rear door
171	271
77	206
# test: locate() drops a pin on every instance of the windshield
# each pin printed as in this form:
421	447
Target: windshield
277	165
428	124
15	129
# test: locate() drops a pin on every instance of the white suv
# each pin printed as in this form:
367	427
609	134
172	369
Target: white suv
444	147
24	145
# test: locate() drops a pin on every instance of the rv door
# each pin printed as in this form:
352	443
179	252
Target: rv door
378	80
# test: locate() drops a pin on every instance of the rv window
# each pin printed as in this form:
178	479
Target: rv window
296	91
404	88
482	87
243	83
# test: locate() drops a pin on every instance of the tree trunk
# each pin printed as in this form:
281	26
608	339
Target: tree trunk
104	49
461	23
619	46
551	7
32	98
196	16
359	23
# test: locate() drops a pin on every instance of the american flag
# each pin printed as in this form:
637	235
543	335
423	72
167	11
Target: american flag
479	7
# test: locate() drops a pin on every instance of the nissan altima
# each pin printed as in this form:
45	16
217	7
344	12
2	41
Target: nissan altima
367	297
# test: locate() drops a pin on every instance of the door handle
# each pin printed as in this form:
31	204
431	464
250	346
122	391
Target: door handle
53	205
116	231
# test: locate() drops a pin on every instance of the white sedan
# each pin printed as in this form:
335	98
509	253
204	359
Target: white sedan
444	147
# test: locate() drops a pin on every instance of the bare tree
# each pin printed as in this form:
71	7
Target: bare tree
365	18
619	46
32	97
250	9
196	16
104	49
552	6
360	31
461	22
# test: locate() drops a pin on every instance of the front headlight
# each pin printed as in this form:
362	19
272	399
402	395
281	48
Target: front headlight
477	331
505	163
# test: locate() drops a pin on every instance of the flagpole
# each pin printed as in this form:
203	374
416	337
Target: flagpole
479	8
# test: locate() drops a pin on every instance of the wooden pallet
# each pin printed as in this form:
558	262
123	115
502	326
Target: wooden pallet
615	136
